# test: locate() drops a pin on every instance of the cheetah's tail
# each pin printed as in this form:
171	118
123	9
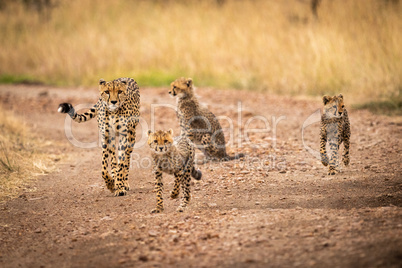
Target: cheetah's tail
196	174
64	108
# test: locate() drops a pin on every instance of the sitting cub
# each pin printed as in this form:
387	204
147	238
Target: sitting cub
198	123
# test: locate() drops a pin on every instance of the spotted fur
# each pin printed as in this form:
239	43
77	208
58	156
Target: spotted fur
198	123
172	157
335	129
117	111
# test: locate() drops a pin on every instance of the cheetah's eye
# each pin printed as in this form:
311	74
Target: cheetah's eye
166	141
107	92
119	92
343	106
155	141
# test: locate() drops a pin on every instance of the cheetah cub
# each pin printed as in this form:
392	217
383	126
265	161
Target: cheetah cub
335	128
198	123
172	156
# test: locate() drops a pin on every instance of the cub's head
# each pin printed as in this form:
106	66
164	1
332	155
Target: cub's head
160	141
113	93
333	106
181	87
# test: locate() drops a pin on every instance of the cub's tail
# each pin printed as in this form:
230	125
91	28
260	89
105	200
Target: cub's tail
196	174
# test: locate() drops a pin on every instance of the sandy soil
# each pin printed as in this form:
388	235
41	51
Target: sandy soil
275	208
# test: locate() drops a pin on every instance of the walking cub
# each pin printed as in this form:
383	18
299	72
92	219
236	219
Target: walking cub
335	128
172	156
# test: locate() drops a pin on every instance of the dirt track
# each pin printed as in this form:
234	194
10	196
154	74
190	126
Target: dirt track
277	208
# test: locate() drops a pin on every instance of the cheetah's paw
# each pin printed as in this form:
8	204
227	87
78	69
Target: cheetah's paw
332	172
156	210
120	192
127	187
174	195
346	160
181	209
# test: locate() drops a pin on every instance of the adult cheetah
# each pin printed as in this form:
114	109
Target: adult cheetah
117	111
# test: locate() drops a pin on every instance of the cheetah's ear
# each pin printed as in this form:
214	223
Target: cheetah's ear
340	96
102	81
326	99
170	131
149	132
189	82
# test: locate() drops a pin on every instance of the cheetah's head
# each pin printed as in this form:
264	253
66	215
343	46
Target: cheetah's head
333	106
160	141
113	93
181	87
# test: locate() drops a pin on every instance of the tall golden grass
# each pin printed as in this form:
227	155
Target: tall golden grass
276	46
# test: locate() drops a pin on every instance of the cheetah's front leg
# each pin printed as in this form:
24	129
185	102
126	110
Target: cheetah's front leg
129	150
333	163
122	170
112	153
159	191
323	144
107	151
105	174
176	187
185	185
346	141
345	156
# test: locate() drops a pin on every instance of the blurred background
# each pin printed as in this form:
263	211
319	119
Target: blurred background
293	47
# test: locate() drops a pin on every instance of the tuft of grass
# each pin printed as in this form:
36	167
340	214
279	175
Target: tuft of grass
19	162
268	45
5	161
19	79
391	107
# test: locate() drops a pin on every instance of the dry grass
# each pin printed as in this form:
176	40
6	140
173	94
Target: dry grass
276	46
19	162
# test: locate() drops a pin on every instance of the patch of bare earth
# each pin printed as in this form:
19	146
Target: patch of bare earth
275	208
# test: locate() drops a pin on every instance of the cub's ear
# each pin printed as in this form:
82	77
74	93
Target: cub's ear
102	81
170	131
340	96
326	99
149	132
189	82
